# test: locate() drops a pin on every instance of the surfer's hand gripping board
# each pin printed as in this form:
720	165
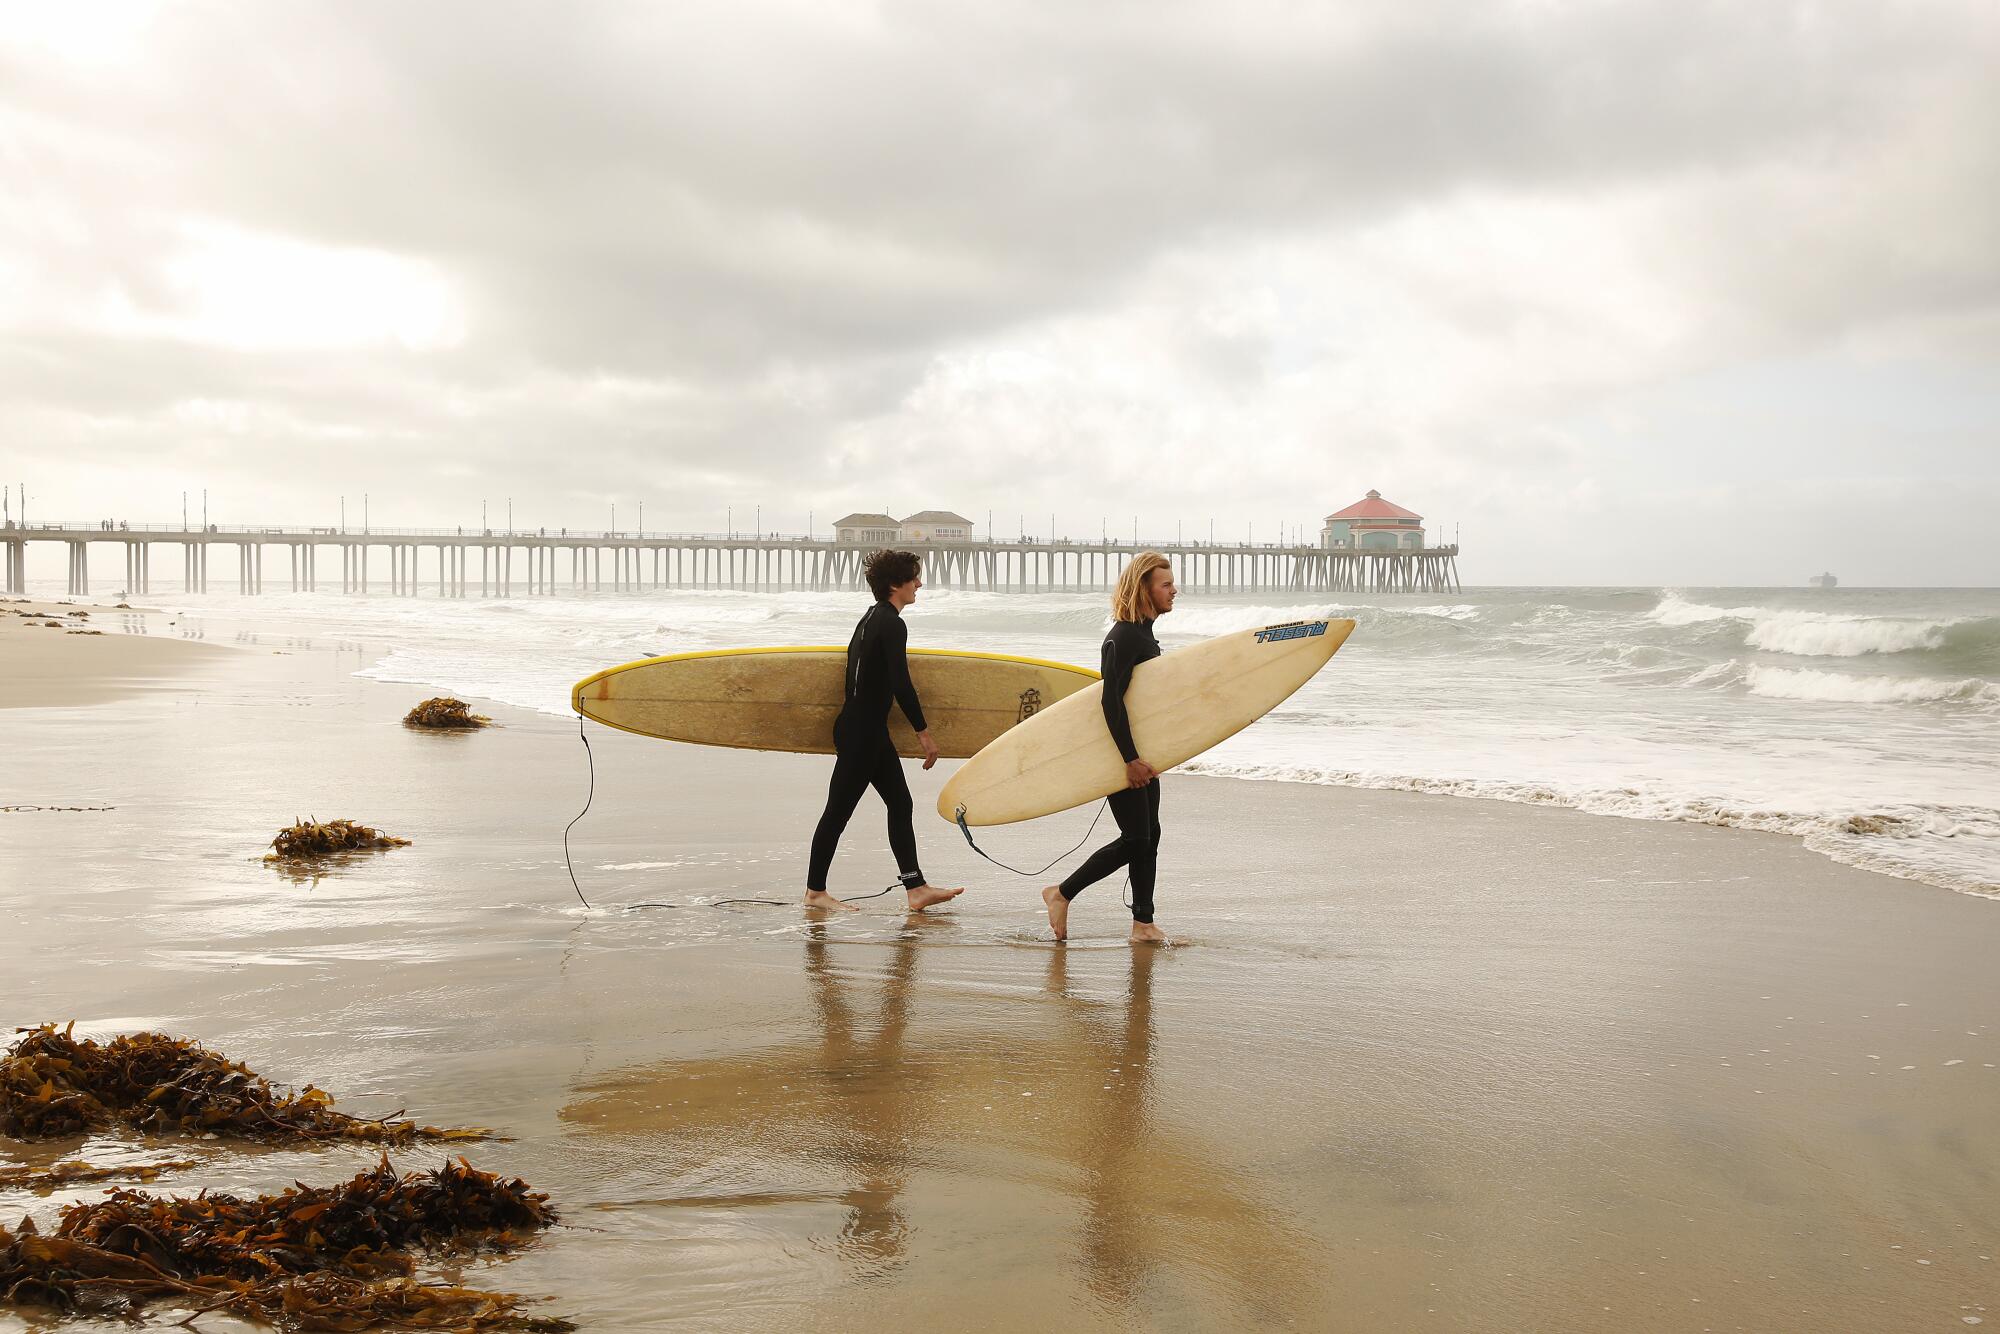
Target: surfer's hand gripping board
1179	705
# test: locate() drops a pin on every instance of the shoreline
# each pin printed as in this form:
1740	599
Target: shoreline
1821	836
1859	838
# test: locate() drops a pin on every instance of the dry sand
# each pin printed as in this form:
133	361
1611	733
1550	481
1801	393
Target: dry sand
56	654
1426	1063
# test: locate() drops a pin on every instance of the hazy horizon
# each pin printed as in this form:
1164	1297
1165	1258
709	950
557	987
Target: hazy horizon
1664	297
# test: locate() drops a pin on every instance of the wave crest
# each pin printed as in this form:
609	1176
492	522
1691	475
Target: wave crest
1809	634
1821	634
1806	683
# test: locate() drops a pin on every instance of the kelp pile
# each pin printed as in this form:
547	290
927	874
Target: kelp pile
310	1258
312	838
361	1227
445	714
52	1084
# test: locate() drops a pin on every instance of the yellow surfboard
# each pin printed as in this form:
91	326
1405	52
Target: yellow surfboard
1179	705
787	698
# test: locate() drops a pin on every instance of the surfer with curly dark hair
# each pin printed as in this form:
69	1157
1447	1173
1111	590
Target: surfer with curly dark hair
1146	592
878	674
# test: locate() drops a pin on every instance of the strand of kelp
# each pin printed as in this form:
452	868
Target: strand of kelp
76	1172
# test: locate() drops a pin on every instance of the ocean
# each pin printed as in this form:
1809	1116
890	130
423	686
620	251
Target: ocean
1865	722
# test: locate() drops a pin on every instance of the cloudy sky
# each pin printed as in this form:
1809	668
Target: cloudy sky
1660	292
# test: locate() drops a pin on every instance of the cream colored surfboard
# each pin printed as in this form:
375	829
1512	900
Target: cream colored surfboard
787	698
1179	705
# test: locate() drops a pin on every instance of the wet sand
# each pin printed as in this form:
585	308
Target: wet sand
1424	1062
59	654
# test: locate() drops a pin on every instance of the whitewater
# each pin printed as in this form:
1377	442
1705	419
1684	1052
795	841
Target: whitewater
1864	722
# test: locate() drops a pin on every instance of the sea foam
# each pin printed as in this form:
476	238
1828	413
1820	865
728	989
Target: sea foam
1953	847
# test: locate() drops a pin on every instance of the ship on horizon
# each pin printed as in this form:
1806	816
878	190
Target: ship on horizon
1824	581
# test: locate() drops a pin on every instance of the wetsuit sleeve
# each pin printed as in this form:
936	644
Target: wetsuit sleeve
896	646
1117	671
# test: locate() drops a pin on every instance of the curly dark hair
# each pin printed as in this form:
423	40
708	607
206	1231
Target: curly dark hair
886	569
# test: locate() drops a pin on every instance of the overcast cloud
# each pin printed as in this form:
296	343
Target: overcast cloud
1650	292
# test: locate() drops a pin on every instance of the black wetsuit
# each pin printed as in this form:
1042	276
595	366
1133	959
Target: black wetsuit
1137	810
878	673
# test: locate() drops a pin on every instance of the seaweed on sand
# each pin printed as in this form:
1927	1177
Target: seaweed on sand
76	1172
333	1257
445	714
313	838
52	1084
361	1227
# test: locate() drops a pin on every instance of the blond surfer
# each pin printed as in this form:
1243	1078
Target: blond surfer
1145	593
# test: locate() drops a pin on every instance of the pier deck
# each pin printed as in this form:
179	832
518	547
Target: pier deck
495	563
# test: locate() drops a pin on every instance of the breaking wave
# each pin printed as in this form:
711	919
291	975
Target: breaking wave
1805	683
1818	634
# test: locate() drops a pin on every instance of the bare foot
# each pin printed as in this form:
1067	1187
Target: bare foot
819	898
923	896
1145	933
1058	907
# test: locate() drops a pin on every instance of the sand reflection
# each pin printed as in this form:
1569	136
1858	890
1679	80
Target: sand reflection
1036	1130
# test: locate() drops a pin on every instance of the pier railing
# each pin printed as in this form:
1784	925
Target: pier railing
280	532
532	561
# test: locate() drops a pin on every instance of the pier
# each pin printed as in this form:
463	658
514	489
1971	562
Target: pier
454	563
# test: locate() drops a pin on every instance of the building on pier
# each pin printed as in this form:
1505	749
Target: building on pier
881	530
935	526
878	529
1373	524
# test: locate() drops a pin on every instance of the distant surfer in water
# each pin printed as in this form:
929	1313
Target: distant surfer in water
878	673
1145	593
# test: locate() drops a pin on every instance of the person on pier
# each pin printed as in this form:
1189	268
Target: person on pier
878	673
1145	592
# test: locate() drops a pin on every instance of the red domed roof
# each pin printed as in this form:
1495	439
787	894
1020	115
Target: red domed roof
1374	507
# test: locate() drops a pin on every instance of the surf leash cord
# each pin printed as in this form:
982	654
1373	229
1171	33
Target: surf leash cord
959	818
569	865
588	798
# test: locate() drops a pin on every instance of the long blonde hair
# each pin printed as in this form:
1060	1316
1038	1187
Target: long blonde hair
1131	602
